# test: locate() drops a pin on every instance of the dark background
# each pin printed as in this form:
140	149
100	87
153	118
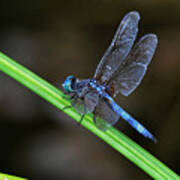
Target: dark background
58	38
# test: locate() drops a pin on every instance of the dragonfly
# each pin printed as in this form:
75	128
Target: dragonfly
120	70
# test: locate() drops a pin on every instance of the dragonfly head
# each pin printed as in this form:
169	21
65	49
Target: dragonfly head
69	84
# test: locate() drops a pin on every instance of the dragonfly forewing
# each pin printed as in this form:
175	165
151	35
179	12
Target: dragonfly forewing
119	48
79	105
91	100
85	104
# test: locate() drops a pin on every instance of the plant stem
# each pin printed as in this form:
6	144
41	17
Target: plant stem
9	177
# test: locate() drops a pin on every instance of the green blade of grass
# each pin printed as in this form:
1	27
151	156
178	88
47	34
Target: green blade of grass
9	177
114	138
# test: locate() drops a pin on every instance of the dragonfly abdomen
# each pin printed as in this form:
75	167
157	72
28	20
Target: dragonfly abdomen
128	118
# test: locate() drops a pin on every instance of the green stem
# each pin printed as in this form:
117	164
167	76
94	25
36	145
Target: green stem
9	177
114	138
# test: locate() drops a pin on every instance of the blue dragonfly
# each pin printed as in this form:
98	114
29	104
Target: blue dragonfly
120	70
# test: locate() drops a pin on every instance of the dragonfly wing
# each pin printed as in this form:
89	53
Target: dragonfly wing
104	117
91	101
133	69
79	105
119	48
86	104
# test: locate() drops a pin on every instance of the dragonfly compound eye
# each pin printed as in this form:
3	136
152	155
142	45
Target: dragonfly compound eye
69	84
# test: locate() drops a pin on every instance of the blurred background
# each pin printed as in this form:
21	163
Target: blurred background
57	38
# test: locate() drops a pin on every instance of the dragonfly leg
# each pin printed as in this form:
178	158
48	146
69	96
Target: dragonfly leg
82	117
94	118
66	97
72	96
83	114
66	107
